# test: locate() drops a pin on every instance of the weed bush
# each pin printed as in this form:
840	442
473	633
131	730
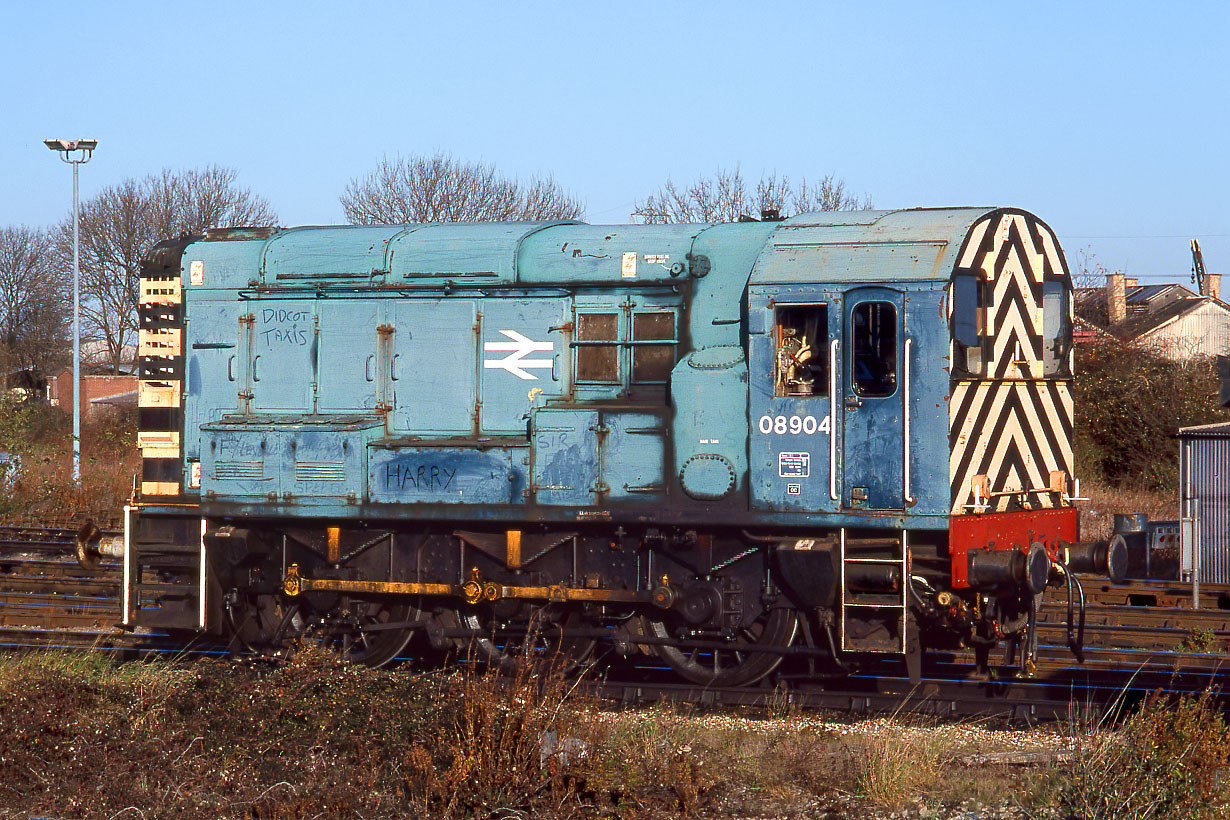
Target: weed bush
1200	639
1129	403
42	487
504	744
1166	762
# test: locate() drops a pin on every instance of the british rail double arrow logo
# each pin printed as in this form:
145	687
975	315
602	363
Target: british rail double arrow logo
515	362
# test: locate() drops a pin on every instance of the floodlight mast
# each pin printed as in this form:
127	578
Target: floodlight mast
83	149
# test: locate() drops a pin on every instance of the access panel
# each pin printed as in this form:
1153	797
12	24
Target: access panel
565	457
523	359
433	369
282	366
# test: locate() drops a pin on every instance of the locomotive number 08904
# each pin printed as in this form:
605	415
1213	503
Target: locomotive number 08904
793	425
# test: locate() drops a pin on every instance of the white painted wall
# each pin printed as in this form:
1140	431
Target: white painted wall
1204	331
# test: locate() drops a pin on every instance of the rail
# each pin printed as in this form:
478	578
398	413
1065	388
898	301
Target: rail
48	601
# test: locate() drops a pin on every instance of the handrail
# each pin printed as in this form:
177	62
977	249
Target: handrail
905	421
833	420
201	578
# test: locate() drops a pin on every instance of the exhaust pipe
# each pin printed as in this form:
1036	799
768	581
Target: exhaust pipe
92	545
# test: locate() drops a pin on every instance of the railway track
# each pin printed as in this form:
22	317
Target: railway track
1139	636
1154	592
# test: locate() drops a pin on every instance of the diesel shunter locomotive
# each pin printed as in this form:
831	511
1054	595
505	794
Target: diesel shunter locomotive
838	433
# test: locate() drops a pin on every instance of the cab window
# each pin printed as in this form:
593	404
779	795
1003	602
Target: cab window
875	349
967	308
1056	329
801	366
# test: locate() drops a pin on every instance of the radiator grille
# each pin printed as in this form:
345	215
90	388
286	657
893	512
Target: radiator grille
239	471
320	471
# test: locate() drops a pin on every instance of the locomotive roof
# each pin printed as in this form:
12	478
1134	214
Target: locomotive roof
854	246
849	246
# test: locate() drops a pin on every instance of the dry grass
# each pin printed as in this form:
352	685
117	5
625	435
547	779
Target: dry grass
1098	513
43	488
81	736
892	768
802	763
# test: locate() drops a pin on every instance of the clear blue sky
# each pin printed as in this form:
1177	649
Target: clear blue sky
1111	121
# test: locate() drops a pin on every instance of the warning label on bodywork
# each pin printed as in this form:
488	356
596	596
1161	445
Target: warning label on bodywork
629	265
794	465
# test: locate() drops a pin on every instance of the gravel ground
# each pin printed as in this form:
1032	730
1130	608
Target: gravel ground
968	742
966	747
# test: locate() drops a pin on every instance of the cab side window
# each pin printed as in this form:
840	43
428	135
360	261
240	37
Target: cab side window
1056	329
598	362
967	307
801	366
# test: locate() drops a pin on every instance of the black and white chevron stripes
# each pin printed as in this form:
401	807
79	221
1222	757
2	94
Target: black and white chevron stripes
1014	254
1010	426
160	358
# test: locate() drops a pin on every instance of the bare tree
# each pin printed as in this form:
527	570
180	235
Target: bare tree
121	223
828	195
1089	272
440	188
727	197
34	296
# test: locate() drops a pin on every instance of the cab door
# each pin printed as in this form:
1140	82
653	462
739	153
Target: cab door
873	437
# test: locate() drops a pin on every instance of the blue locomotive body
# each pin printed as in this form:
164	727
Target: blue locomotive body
542	372
705	429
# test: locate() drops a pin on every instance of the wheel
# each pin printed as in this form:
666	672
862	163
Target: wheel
252	622
734	666
507	643
363	632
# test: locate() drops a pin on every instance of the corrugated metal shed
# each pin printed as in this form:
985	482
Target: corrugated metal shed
1204	494
1169	320
1183	329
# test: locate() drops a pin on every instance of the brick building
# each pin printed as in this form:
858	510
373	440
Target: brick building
97	392
101	388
